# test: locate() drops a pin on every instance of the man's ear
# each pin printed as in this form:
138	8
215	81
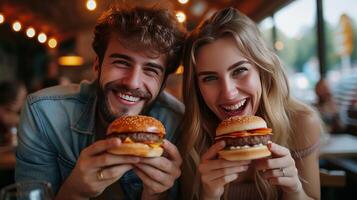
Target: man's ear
96	67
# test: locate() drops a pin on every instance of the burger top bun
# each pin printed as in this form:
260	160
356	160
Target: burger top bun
135	124
240	123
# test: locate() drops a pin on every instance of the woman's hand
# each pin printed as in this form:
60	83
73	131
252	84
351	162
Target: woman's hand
280	169
216	173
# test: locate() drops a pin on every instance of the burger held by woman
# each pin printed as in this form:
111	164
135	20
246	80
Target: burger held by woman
229	71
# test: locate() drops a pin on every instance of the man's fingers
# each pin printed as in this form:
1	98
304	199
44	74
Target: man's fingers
108	159
154	173
101	146
213	150
173	152
114	172
153	185
161	163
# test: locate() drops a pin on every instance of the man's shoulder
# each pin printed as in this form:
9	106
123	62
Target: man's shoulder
80	92
169	103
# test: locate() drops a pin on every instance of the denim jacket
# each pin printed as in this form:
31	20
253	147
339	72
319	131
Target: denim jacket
58	123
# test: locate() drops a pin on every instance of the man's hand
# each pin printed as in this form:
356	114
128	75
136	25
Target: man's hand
159	174
95	170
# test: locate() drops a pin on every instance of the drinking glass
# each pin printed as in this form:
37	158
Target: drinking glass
27	190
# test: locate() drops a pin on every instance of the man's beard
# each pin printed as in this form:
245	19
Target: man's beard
104	105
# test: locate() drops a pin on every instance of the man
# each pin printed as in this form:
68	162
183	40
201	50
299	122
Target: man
62	128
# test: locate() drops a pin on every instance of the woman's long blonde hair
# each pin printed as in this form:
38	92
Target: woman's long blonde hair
276	105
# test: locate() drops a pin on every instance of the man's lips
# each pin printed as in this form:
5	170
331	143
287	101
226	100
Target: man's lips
128	97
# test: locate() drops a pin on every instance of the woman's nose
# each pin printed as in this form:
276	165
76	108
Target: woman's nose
229	89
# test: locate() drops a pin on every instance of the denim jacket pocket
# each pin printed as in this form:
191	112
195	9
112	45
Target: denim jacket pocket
65	166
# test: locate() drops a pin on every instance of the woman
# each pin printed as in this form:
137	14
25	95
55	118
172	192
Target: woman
229	71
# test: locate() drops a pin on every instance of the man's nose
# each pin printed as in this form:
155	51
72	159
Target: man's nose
133	79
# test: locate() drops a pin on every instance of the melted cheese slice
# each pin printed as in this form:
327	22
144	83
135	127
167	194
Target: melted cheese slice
254	132
128	140
150	143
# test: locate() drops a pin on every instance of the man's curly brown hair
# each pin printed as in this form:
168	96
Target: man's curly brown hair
153	29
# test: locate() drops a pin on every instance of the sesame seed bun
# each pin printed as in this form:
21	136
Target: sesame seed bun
243	130
245	154
132	126
240	123
137	123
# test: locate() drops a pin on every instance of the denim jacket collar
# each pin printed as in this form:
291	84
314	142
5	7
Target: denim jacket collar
85	124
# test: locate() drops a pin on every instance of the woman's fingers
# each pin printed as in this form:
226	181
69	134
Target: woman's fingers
282	172
220	182
223	173
278	150
213	150
210	165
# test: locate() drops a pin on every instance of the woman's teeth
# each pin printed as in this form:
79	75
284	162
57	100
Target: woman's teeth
236	106
128	97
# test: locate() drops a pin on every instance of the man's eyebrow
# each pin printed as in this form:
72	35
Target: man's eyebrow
123	56
157	66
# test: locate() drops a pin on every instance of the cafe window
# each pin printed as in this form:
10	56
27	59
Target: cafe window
341	37
296	45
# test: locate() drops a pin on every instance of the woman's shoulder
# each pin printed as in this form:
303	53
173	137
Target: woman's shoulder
307	127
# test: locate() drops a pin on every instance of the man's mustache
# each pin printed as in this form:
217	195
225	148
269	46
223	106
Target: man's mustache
121	88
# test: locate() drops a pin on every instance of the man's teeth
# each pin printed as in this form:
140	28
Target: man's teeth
128	97
236	106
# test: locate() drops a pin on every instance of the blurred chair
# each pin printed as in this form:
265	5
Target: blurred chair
332	178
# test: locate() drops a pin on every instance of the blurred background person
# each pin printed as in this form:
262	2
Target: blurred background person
345	94
12	97
327	107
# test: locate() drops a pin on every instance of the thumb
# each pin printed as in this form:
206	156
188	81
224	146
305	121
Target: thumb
277	150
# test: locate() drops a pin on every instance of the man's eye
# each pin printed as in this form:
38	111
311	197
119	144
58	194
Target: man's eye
121	63
152	71
209	78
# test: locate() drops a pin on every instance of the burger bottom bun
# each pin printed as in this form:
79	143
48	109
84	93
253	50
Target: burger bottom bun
250	153
137	149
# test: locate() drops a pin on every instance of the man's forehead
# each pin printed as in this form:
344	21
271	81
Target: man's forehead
134	46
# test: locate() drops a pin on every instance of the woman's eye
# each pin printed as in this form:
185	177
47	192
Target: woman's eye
209	78
239	70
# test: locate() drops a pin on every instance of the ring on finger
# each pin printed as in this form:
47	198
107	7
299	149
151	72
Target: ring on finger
100	175
283	170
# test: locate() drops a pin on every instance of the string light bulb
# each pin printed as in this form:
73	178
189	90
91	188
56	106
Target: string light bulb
52	43
30	32
181	16
2	18
182	1
16	26
42	37
91	5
